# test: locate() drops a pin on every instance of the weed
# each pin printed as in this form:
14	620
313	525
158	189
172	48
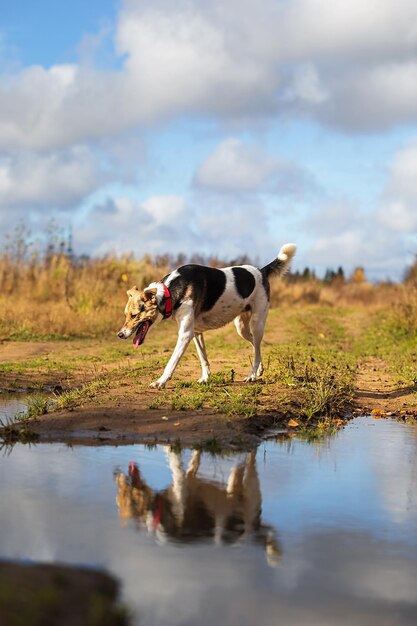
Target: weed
328	394
387	338
157	402
212	446
176	446
38	405
243	401
74	397
321	430
12	432
404	317
181	402
321	379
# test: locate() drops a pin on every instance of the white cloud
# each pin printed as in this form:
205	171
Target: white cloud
348	64
350	235
165	210
399	217
398	210
55	180
402	173
122	225
370	96
66	129
235	166
226	228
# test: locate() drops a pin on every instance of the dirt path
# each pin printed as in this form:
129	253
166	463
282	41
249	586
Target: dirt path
377	392
123	409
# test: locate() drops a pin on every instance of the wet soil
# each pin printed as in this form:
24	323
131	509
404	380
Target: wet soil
59	595
126	424
377	393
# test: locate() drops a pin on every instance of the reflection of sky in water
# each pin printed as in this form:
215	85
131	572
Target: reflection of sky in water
345	513
11	404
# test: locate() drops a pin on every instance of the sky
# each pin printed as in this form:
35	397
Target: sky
215	127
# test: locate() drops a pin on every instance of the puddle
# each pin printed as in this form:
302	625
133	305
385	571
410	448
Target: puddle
11	404
295	533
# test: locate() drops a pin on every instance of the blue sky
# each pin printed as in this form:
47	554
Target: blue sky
215	127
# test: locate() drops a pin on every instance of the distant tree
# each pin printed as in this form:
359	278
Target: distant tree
329	276
411	273
181	259
340	274
306	275
358	275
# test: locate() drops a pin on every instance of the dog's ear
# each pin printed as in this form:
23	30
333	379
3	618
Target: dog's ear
132	292
150	294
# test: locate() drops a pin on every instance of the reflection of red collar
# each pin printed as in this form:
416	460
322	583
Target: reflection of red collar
134	475
158	511
168	302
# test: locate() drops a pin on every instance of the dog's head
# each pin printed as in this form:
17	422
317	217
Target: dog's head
141	312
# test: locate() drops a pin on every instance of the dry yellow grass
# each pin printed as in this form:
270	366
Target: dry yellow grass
55	296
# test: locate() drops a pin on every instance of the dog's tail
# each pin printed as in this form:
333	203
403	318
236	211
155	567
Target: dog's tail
281	264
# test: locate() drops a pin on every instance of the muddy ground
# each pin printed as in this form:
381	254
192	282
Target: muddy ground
120	412
42	594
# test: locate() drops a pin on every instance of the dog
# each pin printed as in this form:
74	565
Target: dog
203	298
193	508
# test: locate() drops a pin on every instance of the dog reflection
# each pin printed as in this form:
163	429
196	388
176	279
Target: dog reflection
195	509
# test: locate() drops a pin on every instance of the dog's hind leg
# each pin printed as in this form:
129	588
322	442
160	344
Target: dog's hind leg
242	326
202	355
257	325
194	463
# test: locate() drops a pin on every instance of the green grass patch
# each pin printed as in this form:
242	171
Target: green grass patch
387	338
38	404
242	401
74	397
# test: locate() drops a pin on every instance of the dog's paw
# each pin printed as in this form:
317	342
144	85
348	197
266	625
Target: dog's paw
157	385
250	379
203	380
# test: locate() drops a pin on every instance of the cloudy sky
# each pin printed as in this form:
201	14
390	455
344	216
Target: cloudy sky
214	126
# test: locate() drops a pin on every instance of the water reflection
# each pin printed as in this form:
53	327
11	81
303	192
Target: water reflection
194	508
345	511
11	404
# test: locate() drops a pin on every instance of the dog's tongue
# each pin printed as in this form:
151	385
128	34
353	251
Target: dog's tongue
140	334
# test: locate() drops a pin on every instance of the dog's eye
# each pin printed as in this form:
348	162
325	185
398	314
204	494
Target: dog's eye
142	308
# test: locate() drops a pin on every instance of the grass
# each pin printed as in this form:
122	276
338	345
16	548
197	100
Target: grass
393	340
14	431
241	401
38	405
74	397
323	429
314	341
219	394
311	355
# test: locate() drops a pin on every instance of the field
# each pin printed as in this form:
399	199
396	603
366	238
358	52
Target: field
331	348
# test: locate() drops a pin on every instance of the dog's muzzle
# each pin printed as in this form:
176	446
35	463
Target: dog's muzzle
124	334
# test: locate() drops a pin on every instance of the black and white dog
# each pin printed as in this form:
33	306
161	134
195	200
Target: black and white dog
202	298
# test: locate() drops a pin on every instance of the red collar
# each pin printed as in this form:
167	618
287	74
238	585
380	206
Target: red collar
168	302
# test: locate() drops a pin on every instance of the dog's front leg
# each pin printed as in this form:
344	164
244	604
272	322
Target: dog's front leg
185	319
